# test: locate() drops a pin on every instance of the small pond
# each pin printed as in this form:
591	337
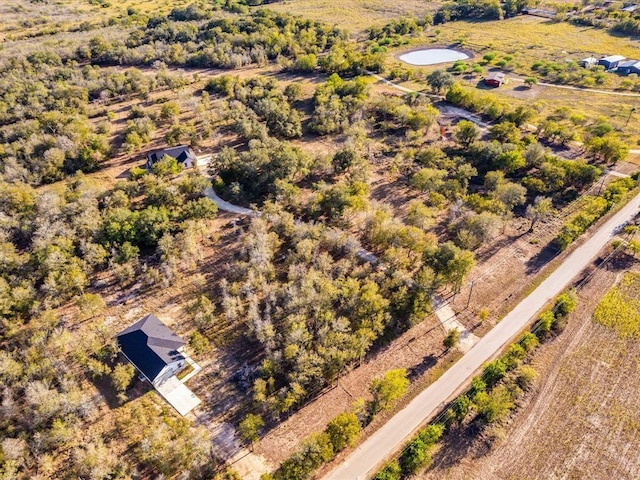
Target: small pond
432	56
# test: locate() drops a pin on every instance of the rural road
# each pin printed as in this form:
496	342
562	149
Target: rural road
389	439
226	206
444	109
581	89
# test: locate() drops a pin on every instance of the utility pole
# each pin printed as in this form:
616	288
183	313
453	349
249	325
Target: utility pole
602	183
633	109
470	292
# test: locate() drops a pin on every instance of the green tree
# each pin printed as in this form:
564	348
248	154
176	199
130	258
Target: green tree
344	430
452	339
467	133
391	471
414	456
608	148
511	194
495	405
199	343
440	80
249	428
460	408
91	304
506	132
389	388
167	166
539	210
121	376
169	111
510	161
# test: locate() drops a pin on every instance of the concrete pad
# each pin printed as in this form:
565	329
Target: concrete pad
178	395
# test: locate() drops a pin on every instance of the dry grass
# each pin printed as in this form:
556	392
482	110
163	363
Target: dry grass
581	420
530	38
620	307
355	15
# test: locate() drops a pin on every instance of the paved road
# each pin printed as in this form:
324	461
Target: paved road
366	459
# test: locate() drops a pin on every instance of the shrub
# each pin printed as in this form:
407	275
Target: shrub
388	389
343	431
565	304
391	471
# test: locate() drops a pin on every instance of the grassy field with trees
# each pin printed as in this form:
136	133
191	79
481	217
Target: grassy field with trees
370	202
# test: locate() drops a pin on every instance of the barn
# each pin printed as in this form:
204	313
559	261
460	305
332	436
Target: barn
588	62
611	62
630	66
495	79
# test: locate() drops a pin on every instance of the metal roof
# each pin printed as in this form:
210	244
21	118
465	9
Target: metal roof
150	345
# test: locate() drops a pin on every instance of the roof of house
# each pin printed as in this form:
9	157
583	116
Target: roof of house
496	76
150	345
613	58
630	63
630	8
181	153
589	59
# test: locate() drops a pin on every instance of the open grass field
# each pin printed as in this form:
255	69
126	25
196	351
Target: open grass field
355	15
581	419
530	38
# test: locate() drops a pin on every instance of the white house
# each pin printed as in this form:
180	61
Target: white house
182	153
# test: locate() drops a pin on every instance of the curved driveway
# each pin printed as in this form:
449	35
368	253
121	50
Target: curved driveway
389	439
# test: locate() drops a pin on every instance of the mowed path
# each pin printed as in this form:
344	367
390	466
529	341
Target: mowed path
369	456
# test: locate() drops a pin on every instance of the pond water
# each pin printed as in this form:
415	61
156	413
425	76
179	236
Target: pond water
431	56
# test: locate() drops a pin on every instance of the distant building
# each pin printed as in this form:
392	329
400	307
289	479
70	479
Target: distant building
611	62
495	79
630	8
588	62
630	66
153	348
538	12
182	153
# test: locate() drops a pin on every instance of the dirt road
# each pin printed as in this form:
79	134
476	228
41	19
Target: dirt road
366	459
226	206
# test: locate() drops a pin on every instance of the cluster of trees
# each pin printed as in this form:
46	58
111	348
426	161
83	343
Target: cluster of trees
53	244
263	169
570	73
45	102
270	103
393	114
315	309
471	9
335	102
233	42
628	26
415	455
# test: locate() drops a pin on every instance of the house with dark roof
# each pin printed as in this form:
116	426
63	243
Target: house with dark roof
182	153
153	348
